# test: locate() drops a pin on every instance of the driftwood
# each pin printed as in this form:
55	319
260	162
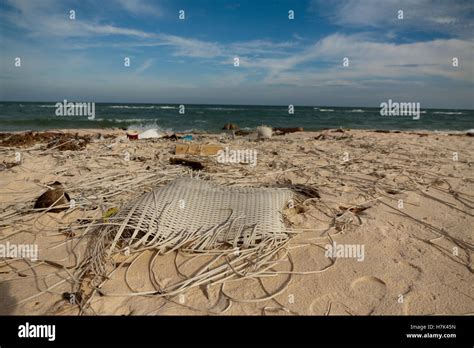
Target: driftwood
242	132
193	164
282	131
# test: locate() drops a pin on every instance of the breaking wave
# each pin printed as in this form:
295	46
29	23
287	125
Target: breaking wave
447	113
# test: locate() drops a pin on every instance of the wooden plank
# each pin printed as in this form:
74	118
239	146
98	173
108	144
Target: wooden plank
197	149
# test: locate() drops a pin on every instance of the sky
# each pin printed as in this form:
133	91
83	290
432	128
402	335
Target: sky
282	61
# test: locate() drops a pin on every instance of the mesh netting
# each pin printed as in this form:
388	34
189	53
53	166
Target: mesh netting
191	205
195	216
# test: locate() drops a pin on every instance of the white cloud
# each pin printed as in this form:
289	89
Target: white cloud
88	28
451	17
38	19
370	60
146	64
190	47
259	47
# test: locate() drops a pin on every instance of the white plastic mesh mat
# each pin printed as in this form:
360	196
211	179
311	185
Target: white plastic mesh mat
190	205
194	215
239	231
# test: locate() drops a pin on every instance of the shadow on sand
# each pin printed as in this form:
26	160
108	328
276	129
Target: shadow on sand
7	302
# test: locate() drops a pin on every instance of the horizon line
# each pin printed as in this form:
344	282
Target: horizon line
225	104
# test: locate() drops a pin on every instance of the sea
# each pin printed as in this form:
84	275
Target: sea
22	116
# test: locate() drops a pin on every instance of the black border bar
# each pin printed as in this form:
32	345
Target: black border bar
240	330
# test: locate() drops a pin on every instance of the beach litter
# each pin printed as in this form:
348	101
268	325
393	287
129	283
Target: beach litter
242	228
54	200
230	126
193	164
109	213
150	134
55	140
264	132
132	135
7	165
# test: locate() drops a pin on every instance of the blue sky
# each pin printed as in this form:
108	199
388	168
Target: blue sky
282	61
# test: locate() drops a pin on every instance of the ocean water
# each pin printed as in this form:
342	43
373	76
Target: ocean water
16	116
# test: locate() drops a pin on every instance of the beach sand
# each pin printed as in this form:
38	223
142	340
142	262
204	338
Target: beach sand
406	198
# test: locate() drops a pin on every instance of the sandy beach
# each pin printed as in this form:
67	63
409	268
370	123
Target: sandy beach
404	199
